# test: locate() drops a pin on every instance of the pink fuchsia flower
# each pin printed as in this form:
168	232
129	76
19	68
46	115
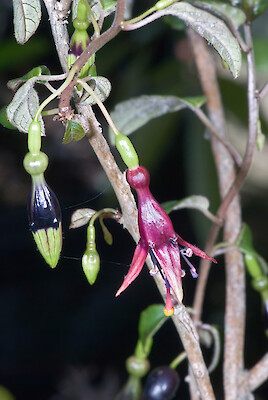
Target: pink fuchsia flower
157	237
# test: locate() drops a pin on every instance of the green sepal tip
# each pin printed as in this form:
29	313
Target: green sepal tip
49	243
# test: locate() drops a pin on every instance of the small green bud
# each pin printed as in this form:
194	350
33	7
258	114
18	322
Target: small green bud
137	367
91	259
91	265
34	137
127	151
35	164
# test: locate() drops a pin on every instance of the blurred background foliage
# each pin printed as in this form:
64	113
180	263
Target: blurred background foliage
59	338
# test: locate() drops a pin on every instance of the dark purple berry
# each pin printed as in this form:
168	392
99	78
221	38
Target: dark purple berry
162	384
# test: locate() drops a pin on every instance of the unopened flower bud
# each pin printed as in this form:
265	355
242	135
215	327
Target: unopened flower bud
91	259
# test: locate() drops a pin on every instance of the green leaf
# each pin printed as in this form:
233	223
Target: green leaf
101	87
151	320
197	202
27	16
5	394
35	72
210	28
22	109
245	244
4	121
237	16
73	132
131	114
81	217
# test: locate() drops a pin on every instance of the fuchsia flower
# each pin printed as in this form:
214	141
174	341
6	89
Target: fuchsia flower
157	237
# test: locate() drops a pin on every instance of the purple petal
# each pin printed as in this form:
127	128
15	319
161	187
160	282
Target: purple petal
169	260
138	261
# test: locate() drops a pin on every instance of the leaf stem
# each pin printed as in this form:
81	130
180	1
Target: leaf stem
100	104
56	93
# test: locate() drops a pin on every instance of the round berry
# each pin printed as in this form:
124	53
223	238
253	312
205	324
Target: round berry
161	384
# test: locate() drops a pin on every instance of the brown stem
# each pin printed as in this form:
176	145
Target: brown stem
92	48
258	374
59	30
235	290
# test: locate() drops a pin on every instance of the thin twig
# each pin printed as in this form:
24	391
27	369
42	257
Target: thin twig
253	378
235	302
91	49
263	92
205	120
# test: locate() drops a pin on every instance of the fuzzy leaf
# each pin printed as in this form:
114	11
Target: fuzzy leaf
3	119
73	132
151	319
14	84
22	109
198	202
27	16
131	114
237	16
101	87
210	28
81	217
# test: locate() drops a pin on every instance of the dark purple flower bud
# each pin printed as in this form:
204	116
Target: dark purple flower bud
45	220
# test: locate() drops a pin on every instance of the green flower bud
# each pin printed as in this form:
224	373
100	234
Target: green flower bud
45	220
91	259
127	151
91	265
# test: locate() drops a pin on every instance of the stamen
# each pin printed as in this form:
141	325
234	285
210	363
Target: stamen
157	267
187	252
154	271
192	268
169	309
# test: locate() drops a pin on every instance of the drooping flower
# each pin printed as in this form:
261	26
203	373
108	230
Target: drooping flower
157	237
45	220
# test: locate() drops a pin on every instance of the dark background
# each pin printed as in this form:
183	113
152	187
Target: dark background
59	337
